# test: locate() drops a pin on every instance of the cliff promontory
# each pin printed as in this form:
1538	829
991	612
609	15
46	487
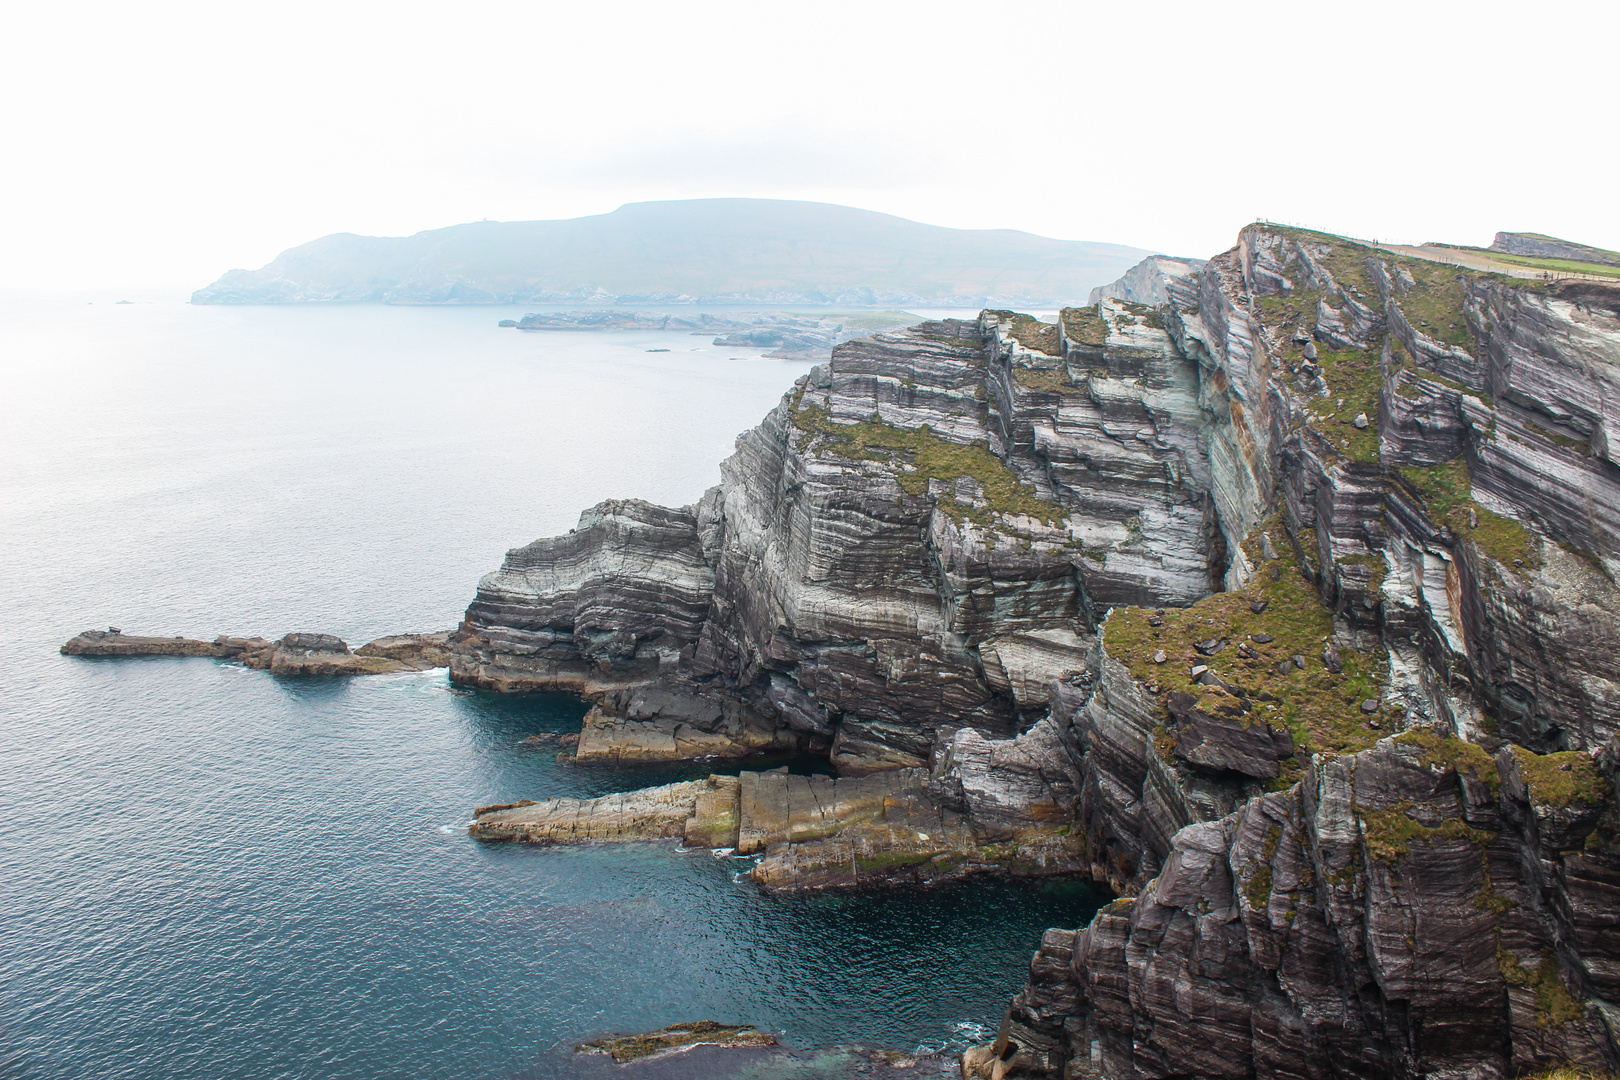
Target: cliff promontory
1286	608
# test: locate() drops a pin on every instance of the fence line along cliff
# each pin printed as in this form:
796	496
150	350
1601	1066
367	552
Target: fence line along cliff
1287	608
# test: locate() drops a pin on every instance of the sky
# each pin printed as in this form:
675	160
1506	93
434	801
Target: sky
156	145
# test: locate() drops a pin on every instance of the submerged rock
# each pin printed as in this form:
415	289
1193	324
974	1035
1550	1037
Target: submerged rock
674	1039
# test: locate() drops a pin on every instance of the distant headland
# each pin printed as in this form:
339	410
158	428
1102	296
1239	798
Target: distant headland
694	251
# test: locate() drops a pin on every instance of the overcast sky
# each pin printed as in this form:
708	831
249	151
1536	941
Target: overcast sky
156	145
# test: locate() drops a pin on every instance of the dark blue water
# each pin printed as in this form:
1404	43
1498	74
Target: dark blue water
207	872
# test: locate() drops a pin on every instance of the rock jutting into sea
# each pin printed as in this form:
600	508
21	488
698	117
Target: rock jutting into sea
985	808
294	654
1286	608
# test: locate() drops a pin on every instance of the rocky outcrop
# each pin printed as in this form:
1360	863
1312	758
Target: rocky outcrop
984	808
1418	909
1145	282
112	642
294	654
419	651
1398	909
920	538
1273	607
674	1039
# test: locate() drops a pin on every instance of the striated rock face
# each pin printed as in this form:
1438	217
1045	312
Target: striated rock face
1145	282
1287	608
1443	902
920	538
1418	909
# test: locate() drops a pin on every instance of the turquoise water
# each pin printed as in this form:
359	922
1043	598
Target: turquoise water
207	872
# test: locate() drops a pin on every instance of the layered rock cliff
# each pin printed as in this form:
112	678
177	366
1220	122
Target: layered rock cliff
1307	573
920	538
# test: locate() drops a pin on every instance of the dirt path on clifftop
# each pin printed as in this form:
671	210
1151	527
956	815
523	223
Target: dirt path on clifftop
1472	260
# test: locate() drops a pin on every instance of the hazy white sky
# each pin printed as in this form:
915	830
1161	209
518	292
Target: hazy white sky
156	145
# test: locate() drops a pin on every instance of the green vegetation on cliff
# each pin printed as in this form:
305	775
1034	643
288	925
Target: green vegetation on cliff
1085	326
1554	1005
1448	491
1390	833
1557	780
1256	651
1031	333
931	458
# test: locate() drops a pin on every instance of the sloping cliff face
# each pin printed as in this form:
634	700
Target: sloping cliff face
1309	575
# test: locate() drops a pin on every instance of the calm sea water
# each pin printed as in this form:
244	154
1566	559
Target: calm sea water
207	872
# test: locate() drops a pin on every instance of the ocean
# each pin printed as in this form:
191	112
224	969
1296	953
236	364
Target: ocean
208	872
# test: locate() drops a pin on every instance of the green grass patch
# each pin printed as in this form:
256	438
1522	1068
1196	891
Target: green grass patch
1448	491
1085	326
1554	1005
1320	709
1259	888
1457	755
1044	380
1536	262
1377	569
1355	379
933	458
1557	780
1436	302
1143	314
1031	333
1390	833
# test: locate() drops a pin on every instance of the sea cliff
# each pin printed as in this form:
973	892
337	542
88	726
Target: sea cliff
1286	608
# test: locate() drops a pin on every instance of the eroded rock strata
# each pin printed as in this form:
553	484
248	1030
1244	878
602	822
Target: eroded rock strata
1307	578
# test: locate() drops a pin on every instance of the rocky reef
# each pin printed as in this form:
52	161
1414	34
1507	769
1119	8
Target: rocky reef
294	654
1293	597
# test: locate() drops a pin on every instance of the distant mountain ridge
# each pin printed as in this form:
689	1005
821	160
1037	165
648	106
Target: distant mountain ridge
701	250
